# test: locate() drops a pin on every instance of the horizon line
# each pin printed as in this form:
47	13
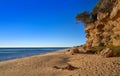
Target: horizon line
40	47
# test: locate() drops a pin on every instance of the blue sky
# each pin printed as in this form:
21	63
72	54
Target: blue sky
42	23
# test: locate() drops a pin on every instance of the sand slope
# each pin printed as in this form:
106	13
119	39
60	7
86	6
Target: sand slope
42	65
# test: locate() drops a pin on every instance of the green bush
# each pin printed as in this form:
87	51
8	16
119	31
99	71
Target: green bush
102	6
97	49
87	17
116	50
83	17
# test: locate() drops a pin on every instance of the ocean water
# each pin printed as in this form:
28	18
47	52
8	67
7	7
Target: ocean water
13	53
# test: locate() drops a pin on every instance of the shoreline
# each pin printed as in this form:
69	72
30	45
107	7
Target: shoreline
17	53
28	56
54	63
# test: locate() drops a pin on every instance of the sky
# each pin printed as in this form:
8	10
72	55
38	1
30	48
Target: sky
42	23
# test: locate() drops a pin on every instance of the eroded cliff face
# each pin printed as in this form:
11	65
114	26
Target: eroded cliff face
106	29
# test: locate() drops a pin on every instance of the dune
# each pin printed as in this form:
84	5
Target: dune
52	64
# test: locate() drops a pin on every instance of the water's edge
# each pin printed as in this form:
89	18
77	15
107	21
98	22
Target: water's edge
15	53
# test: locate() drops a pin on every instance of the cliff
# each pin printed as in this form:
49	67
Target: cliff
105	30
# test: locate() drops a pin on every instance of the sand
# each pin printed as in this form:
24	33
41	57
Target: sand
43	65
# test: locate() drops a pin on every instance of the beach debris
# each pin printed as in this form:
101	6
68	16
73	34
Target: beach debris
66	67
107	52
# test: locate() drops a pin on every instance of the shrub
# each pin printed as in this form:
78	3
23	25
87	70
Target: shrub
83	17
97	7
116	50
87	17
103	6
98	49
106	6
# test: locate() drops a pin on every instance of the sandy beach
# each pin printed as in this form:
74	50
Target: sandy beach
44	65
60	38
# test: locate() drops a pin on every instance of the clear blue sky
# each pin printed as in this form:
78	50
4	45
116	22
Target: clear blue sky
42	23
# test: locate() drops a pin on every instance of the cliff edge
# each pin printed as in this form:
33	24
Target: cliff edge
105	30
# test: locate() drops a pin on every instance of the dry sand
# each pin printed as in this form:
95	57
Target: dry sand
42	65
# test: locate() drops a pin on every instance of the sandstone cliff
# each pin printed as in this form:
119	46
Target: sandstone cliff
105	30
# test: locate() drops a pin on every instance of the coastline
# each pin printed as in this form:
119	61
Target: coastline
43	65
16	53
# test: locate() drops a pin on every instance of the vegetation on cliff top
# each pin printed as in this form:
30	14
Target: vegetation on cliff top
103	6
87	17
84	17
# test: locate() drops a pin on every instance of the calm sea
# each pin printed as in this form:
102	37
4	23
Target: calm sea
13	53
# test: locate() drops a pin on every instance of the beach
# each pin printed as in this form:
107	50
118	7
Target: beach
60	38
52	64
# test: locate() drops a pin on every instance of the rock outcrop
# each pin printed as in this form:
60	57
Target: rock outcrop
106	29
107	52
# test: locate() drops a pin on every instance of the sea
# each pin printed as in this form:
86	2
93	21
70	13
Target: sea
13	53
